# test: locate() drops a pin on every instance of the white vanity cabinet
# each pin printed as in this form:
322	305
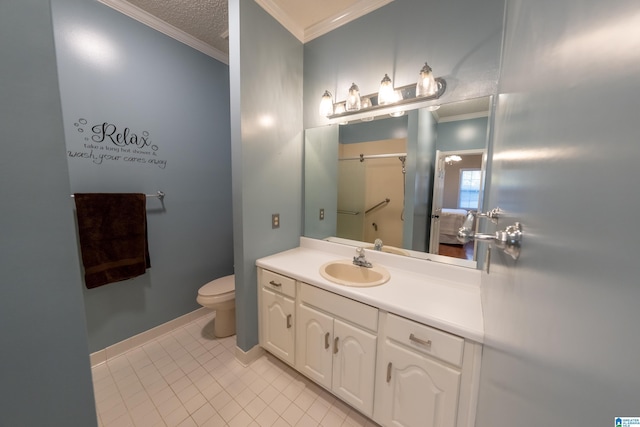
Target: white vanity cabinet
276	299
420	379
396	371
336	345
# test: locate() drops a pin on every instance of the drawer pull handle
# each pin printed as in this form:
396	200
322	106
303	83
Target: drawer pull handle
274	283
335	345
288	321
419	341
389	372
326	340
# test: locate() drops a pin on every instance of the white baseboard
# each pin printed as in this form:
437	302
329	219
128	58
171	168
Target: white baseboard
117	349
247	357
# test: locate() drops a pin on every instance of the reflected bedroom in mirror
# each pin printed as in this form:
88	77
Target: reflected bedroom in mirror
405	183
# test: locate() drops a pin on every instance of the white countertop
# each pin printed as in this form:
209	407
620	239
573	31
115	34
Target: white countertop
442	296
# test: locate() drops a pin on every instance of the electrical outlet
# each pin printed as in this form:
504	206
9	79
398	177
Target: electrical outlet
321	214
275	221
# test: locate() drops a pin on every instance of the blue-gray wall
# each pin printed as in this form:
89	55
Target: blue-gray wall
460	39
375	130
135	77
561	323
265	63
320	174
44	362
470	134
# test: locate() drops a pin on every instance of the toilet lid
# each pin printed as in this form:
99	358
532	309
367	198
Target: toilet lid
219	286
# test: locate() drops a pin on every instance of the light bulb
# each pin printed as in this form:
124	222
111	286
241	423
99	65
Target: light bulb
326	104
386	93
426	85
366	103
353	99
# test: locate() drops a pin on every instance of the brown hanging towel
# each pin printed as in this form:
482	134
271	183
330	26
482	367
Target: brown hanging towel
112	229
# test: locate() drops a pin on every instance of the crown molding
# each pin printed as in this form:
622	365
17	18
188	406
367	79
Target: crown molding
149	20
283	18
352	13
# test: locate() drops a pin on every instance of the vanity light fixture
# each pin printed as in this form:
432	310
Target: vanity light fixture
426	85
388	101
353	99
326	104
386	94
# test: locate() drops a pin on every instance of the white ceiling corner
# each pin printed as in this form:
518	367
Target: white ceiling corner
308	19
355	11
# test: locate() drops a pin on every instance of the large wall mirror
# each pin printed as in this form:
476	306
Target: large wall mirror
408	181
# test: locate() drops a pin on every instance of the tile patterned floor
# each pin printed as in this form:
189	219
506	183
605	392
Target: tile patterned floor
188	378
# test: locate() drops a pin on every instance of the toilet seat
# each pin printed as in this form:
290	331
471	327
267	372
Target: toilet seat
217	291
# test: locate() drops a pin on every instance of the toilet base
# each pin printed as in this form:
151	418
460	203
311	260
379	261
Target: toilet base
224	324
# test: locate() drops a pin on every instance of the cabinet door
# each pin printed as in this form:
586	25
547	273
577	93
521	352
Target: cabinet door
416	391
354	364
278	319
314	345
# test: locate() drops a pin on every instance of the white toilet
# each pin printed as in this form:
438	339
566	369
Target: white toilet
220	295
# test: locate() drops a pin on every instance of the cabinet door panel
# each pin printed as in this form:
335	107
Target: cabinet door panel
354	366
314	339
278	320
419	392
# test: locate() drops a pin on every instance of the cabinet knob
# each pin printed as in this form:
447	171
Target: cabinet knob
326	340
288	321
335	345
274	283
389	366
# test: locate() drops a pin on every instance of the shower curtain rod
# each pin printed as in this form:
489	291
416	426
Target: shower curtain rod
159	195
362	157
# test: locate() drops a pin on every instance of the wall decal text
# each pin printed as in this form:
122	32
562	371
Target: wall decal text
106	142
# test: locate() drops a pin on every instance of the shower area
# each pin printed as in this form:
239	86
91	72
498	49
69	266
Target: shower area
371	191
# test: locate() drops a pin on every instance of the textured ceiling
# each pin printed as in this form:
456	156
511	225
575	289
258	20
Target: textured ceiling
206	20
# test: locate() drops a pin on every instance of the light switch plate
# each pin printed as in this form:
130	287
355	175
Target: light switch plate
275	221
321	214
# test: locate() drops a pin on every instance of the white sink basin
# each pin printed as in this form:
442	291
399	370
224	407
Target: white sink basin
344	272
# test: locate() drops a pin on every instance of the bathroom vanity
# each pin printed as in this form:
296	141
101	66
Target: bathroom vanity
403	353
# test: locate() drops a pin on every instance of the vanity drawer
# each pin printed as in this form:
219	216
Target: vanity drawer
278	283
425	339
353	311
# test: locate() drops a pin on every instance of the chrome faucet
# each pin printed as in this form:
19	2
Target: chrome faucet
360	260
377	245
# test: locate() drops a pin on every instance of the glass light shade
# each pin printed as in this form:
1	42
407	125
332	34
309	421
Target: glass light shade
326	104
426	85
353	99
366	103
339	108
397	96
386	94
